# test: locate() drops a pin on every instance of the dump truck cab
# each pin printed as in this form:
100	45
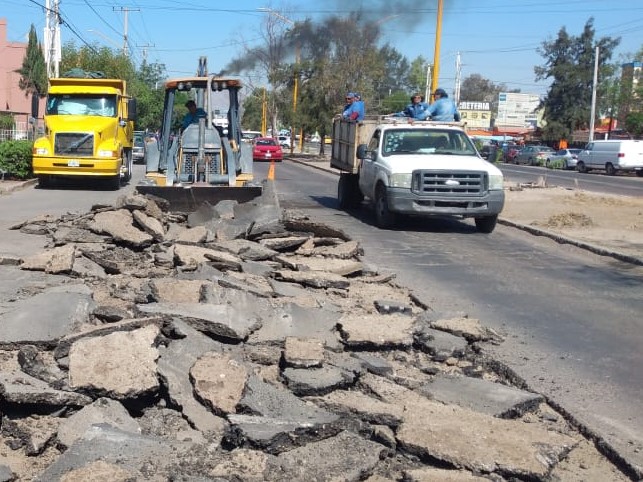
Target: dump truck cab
89	127
201	162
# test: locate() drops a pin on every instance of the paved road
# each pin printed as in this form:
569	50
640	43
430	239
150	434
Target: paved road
572	319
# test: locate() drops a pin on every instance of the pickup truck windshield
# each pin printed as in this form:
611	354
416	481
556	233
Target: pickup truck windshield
427	141
81	104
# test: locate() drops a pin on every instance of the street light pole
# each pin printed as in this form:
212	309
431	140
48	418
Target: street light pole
436	53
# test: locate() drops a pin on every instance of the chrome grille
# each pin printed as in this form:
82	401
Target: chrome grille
457	183
77	144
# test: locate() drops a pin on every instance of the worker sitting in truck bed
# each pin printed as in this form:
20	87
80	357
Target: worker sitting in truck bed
354	108
193	115
417	109
443	109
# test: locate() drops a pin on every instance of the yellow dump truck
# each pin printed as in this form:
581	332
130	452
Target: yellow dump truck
89	131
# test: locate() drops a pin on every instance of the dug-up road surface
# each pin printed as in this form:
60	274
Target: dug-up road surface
247	343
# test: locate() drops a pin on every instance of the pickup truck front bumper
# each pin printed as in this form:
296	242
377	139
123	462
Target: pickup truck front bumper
404	201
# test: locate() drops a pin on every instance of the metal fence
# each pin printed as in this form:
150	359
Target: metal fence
15	135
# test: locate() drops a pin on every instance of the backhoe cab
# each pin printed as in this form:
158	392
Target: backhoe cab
201	163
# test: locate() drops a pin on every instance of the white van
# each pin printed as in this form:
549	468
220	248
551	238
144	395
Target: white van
612	156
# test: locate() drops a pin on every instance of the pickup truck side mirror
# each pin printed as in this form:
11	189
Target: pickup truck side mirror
362	151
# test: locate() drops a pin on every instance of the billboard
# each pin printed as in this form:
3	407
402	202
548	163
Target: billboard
475	114
517	110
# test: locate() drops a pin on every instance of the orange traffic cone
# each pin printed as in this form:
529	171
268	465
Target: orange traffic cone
271	171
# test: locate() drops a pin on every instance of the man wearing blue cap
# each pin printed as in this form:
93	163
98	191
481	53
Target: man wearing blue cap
443	109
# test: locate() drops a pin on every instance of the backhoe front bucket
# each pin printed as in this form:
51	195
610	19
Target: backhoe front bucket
190	198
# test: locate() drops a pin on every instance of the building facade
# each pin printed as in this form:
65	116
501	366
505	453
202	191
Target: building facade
13	101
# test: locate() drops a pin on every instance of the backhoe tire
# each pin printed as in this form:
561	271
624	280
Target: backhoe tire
348	193
486	224
384	218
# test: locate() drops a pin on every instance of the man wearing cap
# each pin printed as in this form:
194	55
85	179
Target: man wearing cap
352	108
416	109
193	115
443	109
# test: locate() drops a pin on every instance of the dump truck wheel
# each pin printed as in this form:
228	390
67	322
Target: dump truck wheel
348	193
128	162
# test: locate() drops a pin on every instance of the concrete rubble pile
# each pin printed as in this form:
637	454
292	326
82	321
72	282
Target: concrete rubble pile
241	342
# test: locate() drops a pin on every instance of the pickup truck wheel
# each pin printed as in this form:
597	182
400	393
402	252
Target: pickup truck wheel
348	193
384	218
609	169
486	224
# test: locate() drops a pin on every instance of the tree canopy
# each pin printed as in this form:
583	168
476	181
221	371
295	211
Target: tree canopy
569	63
33	72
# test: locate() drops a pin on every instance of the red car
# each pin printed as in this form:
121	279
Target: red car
266	149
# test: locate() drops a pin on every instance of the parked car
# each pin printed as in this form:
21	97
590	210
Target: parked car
533	155
266	149
509	151
613	156
139	151
569	158
284	141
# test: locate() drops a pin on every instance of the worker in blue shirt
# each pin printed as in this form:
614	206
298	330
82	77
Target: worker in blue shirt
359	107
416	110
354	108
193	115
443	109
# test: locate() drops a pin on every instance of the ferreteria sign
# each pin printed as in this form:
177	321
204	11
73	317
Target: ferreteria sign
475	114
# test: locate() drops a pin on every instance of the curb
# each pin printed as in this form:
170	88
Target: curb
16	185
523	227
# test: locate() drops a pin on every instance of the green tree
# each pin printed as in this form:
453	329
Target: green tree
33	72
114	64
144	83
569	64
147	88
252	110
417	75
476	88
394	82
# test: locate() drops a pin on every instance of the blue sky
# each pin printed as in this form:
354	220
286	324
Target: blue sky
495	38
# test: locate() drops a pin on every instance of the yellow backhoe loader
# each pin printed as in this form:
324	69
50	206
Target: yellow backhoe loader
201	163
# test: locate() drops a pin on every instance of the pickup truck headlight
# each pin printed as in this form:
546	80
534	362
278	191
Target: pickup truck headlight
40	151
495	182
106	153
401	180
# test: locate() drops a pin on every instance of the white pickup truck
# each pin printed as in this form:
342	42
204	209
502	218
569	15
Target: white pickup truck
420	168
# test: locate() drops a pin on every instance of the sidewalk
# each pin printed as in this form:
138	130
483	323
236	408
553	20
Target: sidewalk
7	187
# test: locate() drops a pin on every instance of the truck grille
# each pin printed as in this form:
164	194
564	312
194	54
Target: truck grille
74	143
458	183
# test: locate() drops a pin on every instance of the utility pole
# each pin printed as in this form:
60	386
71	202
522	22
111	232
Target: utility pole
458	74
53	54
593	110
125	11
427	88
145	47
